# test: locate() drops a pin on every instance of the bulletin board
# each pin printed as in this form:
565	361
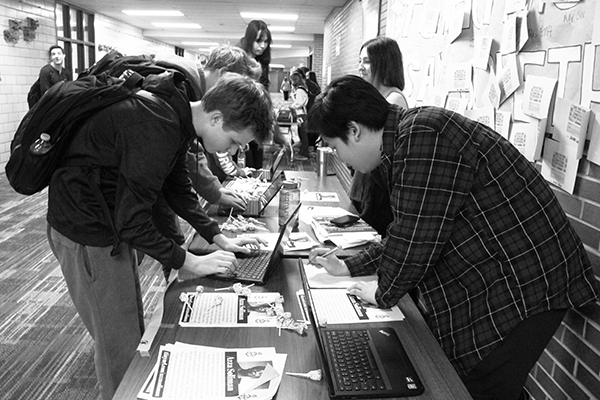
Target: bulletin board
527	68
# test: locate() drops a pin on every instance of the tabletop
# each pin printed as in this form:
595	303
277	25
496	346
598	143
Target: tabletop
437	374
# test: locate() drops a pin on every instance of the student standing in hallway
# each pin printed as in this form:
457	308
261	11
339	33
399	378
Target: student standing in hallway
257	43
477	230
49	75
100	214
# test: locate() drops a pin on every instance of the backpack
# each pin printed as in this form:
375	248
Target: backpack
63	109
35	92
60	112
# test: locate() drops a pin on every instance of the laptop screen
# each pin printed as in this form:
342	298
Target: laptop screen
271	191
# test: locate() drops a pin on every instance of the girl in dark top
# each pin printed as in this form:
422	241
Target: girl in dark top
257	43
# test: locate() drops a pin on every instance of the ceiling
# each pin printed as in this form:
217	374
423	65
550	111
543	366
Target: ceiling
222	23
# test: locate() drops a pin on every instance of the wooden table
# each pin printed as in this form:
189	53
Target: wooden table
436	372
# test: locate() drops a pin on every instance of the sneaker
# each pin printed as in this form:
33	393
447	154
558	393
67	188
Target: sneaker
300	157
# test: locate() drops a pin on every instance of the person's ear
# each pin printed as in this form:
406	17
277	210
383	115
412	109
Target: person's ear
216	118
354	131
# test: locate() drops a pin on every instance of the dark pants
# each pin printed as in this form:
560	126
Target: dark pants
502	374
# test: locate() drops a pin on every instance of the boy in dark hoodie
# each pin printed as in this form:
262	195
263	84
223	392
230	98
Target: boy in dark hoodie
138	149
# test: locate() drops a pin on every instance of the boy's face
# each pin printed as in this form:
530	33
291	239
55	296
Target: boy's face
362	152
57	56
218	139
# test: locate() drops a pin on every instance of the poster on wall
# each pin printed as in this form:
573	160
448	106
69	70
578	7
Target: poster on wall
553	43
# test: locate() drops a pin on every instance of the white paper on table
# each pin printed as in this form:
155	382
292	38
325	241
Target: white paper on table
570	124
217	309
538	95
178	367
560	164
297	241
319	196
319	278
337	306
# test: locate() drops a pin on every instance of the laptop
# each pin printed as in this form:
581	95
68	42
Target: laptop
255	208
258	266
268	174
384	369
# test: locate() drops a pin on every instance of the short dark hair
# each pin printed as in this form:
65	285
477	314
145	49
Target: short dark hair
55	46
386	61
346	99
243	102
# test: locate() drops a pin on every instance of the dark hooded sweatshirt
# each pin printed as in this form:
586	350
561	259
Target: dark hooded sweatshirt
135	150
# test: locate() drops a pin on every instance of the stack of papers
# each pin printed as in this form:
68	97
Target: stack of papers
217	309
185	371
335	305
355	235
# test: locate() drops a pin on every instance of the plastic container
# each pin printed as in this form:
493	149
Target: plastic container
289	198
42	145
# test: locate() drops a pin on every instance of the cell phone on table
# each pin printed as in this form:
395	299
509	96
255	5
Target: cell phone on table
344	221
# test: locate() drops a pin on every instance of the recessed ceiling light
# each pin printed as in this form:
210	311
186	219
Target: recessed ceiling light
201	43
176	25
165	13
254	15
282	28
281	46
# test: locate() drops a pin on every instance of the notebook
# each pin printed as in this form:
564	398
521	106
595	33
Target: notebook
362	362
255	208
257	267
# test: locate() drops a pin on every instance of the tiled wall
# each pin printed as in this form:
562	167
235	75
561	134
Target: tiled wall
570	366
20	63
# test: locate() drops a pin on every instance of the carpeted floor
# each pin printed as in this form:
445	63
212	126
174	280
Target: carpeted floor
45	351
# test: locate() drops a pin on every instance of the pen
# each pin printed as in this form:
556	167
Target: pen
330	252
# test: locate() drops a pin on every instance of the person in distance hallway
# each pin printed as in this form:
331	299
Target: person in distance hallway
477	230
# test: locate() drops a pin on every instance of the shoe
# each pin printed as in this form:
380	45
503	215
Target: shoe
300	157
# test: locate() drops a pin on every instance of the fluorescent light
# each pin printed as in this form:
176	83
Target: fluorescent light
281	46
276	66
202	43
176	25
165	13
282	28
254	15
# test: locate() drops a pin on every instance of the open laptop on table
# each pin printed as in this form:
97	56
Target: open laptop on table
255	208
362	362
258	266
268	174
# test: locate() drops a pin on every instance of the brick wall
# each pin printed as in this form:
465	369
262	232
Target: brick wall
570	365
20	63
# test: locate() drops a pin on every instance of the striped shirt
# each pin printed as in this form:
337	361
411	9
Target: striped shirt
476	229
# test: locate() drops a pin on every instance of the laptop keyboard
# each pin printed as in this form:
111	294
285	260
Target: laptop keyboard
354	367
253	267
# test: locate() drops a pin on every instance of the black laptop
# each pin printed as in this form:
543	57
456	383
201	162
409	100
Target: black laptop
258	266
362	362
255	208
268	174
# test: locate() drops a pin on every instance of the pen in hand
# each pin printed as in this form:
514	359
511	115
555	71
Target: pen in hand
330	252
